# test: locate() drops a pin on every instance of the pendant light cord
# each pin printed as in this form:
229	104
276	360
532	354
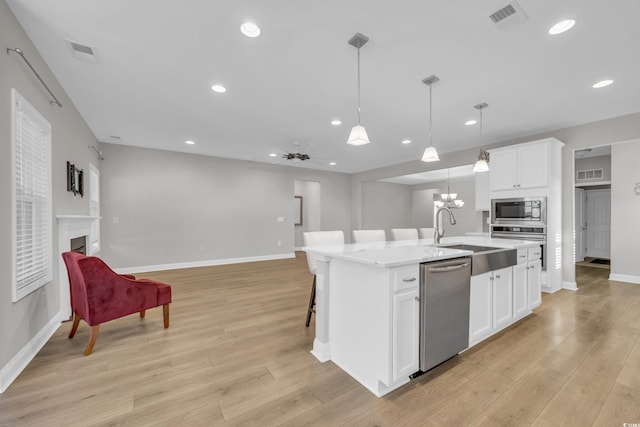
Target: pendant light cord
358	86
430	118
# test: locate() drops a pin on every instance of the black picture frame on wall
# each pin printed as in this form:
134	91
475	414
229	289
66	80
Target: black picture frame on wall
75	180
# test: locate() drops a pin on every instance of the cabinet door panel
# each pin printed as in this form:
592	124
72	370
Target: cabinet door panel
406	320
504	170
480	308
520	291
502	297
534	278
533	166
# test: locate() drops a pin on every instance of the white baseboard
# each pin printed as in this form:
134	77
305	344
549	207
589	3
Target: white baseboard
624	278
549	290
205	263
571	286
11	370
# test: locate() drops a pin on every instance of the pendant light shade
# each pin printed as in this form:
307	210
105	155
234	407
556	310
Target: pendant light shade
358	134
482	165
430	154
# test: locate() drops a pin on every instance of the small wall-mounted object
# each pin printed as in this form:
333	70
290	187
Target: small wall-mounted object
297	216
74	180
637	189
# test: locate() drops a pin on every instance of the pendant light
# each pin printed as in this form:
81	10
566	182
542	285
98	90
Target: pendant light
482	165
358	134
430	154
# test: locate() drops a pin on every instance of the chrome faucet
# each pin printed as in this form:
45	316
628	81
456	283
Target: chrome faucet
438	230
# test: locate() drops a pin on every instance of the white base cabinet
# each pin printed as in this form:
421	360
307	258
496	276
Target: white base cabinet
374	323
490	303
534	281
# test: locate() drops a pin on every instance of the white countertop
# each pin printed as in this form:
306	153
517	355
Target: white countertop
402	252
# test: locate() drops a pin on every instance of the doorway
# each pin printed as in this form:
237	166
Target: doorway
308	195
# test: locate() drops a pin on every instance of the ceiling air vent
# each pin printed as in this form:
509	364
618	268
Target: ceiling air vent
82	51
508	17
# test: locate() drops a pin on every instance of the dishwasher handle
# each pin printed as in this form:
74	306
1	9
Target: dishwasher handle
448	268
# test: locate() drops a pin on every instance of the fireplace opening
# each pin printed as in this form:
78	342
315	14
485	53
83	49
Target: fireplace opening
79	244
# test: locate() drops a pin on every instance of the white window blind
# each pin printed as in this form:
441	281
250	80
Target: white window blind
32	249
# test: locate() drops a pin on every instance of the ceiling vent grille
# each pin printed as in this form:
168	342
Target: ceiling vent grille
508	17
82	51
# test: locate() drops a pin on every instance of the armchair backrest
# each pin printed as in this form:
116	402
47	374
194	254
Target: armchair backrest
77	287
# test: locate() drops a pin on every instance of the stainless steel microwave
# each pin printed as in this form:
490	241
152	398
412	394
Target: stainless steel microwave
523	210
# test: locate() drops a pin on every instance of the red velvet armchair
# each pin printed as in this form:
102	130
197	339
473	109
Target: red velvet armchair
98	294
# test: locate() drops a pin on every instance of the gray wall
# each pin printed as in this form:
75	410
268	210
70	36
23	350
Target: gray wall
21	321
625	209
385	206
599	162
161	207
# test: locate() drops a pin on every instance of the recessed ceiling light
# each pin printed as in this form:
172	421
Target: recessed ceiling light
332	164
250	29
602	83
336	122
562	26
189	142
218	88
406	141
470	122
273	155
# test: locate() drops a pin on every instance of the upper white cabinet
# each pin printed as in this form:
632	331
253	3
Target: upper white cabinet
520	167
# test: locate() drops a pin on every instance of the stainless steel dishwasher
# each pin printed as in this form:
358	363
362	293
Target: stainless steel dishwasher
444	310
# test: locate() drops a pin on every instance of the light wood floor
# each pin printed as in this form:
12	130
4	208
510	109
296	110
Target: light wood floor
237	353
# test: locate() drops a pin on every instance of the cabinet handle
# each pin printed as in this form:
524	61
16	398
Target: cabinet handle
417	298
497	276
409	279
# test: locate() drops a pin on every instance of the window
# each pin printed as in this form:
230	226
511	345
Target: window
31	198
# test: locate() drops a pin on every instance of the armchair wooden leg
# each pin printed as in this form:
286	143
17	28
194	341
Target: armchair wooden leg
165	315
92	339
142	314
312	302
74	327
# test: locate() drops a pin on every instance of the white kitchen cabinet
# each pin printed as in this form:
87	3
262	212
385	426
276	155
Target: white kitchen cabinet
490	303
480	307
520	290
502	282
520	167
406	333
534	281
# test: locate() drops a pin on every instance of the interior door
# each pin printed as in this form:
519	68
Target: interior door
580	225
598	223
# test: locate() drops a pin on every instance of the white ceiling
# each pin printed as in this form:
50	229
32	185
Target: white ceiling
433	176
157	61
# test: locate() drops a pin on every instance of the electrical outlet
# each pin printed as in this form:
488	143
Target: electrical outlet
279	243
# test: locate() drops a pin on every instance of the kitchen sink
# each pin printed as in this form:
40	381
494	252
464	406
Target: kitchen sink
486	258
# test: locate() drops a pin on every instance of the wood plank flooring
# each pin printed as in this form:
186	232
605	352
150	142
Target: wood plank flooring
237	354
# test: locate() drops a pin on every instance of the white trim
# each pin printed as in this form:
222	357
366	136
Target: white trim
20	361
205	263
571	286
321	350
625	278
550	291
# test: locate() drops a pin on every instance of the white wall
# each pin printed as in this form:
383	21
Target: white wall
423	207
625	211
26	324
310	193
177	208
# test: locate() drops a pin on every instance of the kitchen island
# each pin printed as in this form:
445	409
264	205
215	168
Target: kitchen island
367	304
